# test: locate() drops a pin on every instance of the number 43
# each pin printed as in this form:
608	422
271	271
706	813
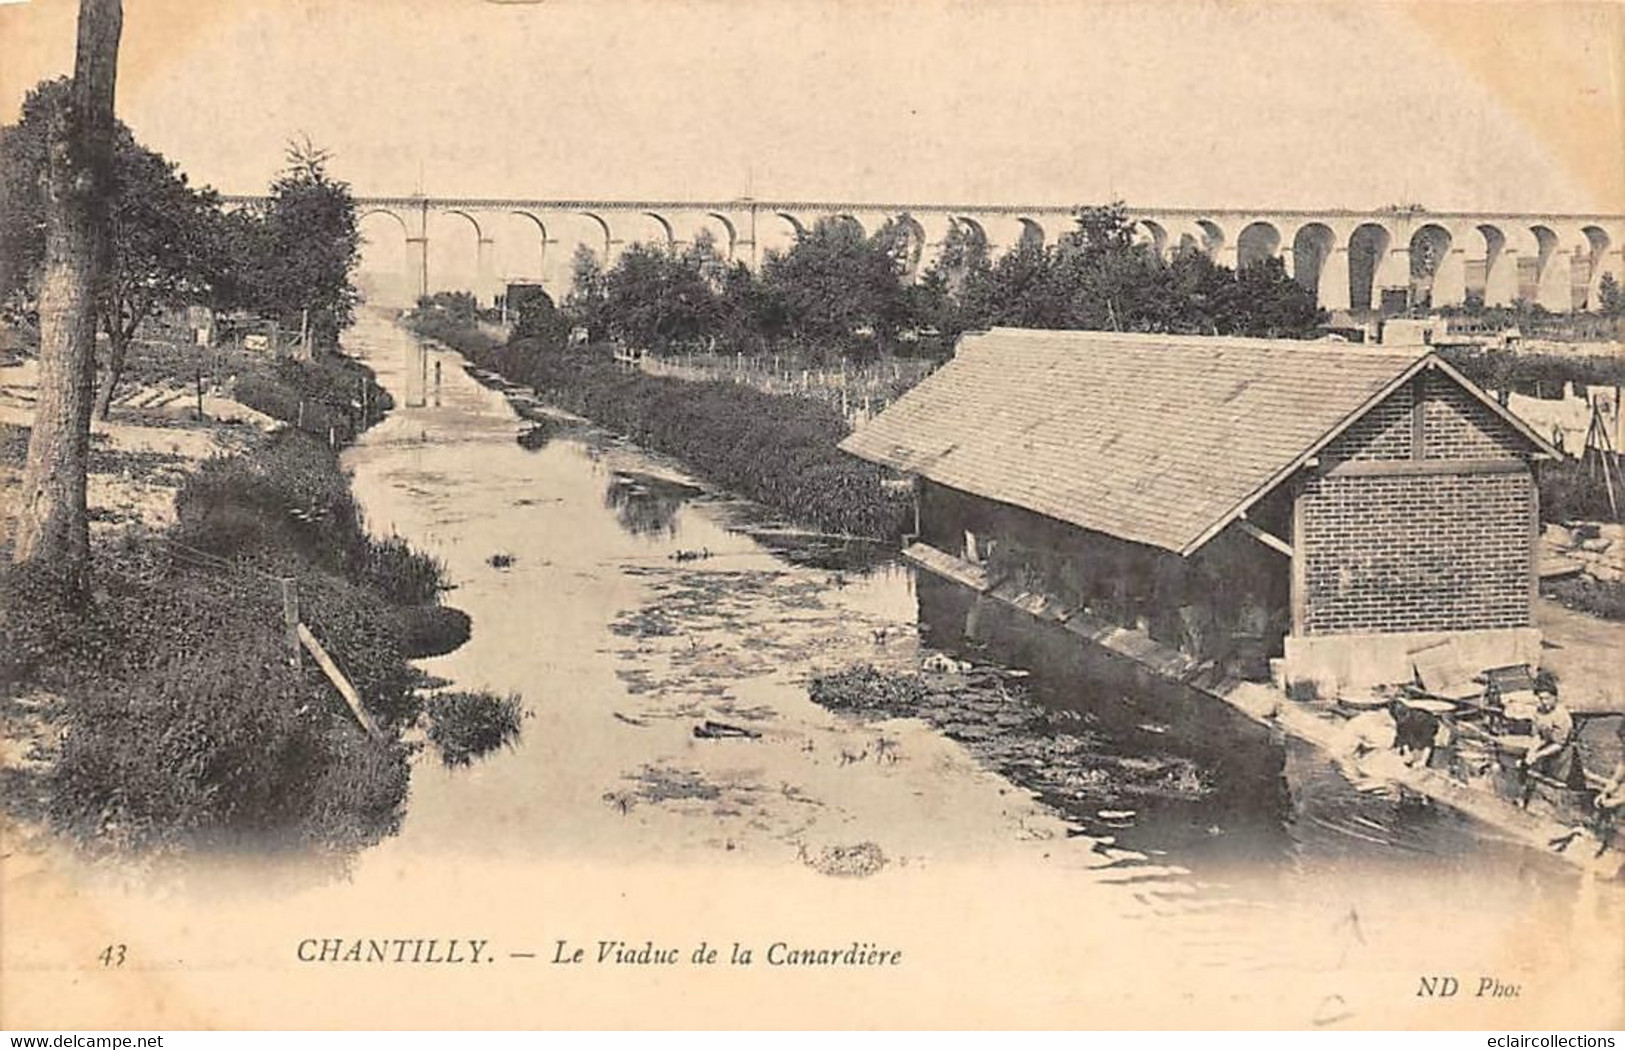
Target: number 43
112	956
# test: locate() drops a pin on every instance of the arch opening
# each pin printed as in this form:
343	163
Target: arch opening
852	222
1597	244
1033	237
1435	275
1152	234
729	242
972	229
1368	249
1256	242
1546	281
539	260
664	236
1312	245
384	274
909	247
454	258
605	248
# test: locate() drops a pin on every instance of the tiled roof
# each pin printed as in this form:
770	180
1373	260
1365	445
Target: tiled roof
1156	439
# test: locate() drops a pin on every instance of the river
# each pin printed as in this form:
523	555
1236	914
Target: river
1098	854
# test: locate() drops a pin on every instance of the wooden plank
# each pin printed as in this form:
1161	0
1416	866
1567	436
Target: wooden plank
1534	547
1300	569
1418	420
341	683
948	566
1358	467
1270	540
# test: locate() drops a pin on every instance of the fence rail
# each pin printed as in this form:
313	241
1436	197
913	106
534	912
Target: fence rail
858	392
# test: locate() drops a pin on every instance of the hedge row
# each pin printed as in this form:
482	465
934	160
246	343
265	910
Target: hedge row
778	451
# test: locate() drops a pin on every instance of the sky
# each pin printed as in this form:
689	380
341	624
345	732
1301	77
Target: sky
1455	106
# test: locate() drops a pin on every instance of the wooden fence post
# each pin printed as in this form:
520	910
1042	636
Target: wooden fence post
290	620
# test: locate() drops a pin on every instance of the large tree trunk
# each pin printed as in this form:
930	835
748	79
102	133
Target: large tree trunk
53	530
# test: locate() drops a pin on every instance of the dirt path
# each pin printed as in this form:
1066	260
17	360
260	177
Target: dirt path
1586	653
139	457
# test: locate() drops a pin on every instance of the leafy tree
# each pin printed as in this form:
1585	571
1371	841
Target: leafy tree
835	285
952	295
459	306
163	235
657	299
22	187
1098	277
585	302
309	244
1022	289
752	313
536	317
1103	230
1610	297
1270	302
53	526
165	249
963	259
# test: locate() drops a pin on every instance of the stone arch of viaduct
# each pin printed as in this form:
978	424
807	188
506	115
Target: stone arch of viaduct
1351	259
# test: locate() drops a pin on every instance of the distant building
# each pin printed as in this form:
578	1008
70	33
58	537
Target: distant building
1339	507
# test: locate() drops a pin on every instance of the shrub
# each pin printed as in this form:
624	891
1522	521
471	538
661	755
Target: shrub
1603	598
1496	369
215	746
863	688
432	630
464	726
1571	490
41	630
401	574
186	724
363	635
291	486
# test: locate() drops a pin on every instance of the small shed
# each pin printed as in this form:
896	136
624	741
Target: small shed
1338	507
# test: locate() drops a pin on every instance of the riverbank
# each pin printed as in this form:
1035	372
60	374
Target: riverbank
778	451
165	711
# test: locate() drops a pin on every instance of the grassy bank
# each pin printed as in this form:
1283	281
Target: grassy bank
168	711
778	451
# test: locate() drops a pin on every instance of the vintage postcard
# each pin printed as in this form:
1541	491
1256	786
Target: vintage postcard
812	514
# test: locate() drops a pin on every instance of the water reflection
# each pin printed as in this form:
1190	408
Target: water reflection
841	556
646	505
535	437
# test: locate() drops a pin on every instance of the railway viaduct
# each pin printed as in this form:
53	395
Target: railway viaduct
1350	258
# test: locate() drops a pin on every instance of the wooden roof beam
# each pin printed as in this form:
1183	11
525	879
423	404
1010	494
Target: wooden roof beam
1268	539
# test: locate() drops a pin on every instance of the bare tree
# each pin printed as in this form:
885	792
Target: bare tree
53	530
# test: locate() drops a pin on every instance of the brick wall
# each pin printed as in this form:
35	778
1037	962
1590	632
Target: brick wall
1455	425
1416	553
1384	433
